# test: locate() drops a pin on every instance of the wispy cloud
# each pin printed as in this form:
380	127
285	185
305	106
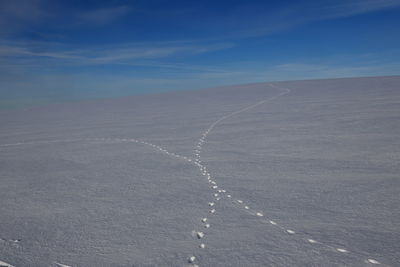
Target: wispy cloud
260	19
17	84
263	21
22	15
106	60
127	54
16	14
301	71
351	8
305	70
102	16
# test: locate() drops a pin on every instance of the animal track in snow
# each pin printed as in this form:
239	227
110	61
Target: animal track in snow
196	161
373	261
197	156
106	140
200	235
5	264
192	259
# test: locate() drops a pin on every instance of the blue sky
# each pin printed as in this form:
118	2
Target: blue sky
52	51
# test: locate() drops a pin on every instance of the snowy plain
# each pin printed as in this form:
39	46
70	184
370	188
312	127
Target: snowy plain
301	173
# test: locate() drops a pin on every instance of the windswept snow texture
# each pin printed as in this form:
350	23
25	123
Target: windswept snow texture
301	173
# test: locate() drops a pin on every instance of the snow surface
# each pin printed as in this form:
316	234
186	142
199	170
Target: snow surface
301	173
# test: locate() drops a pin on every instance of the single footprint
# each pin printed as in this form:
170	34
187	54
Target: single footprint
200	235
5	264
61	265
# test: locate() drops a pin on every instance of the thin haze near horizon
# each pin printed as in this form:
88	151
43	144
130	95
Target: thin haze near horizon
55	51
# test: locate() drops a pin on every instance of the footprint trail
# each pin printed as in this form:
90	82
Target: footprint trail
246	207
218	193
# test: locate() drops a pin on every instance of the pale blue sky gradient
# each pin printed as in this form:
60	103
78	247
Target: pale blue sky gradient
54	51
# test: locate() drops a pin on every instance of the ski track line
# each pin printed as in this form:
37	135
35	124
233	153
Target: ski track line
220	193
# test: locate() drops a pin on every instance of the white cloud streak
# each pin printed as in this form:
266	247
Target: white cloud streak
16	14
133	54
265	21
103	16
355	7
